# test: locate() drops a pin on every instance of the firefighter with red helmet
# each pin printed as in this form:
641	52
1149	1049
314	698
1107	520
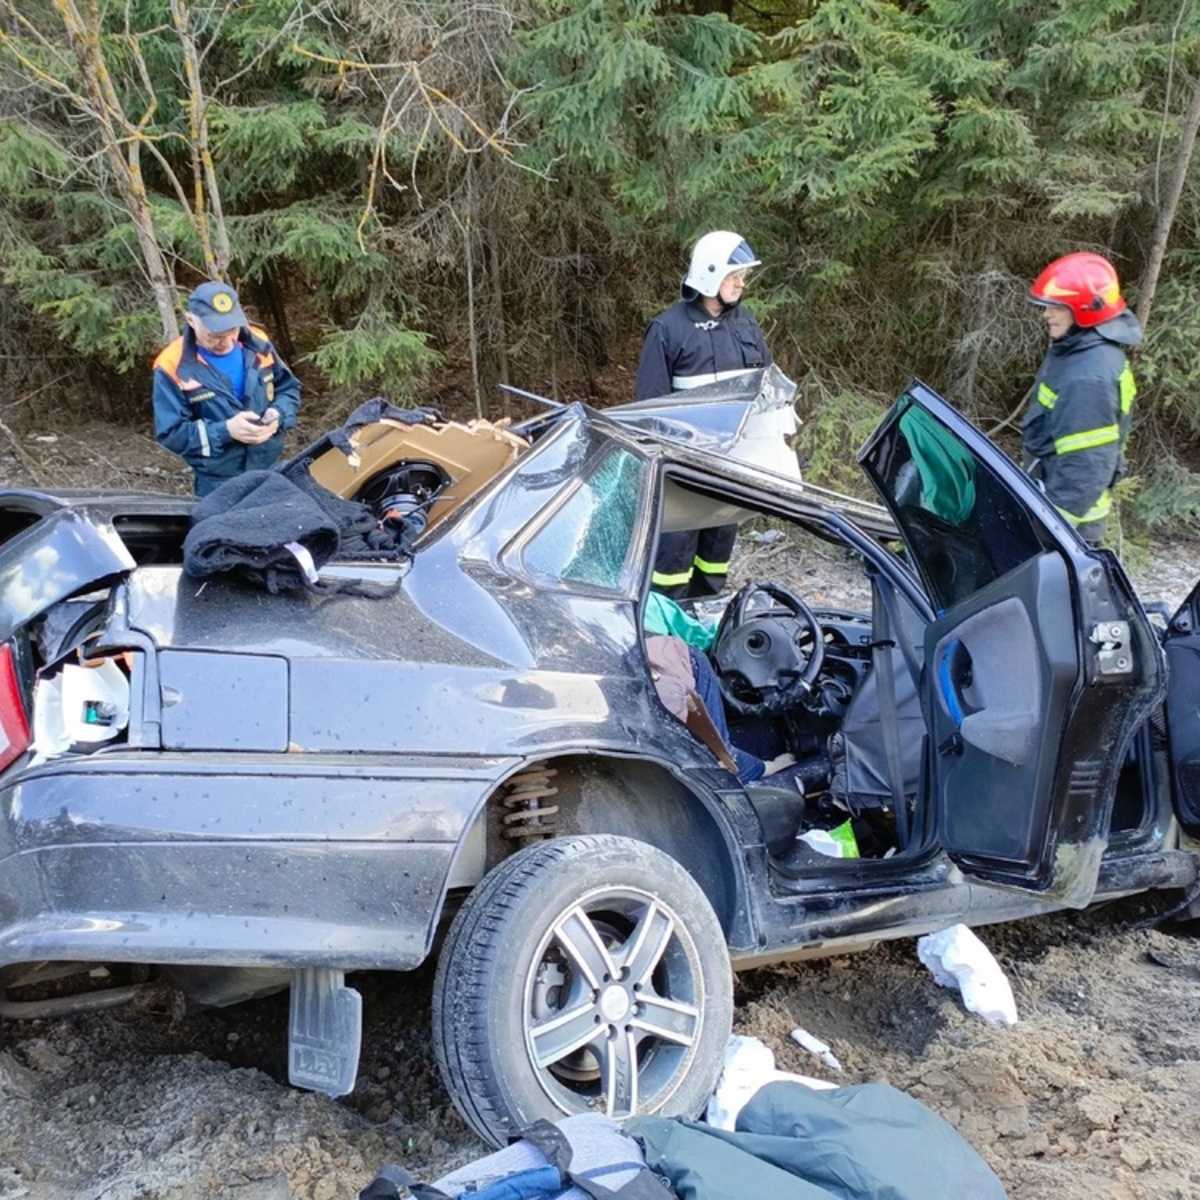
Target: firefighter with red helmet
1078	417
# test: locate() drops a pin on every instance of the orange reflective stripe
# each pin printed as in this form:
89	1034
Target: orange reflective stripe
168	359
168	362
265	358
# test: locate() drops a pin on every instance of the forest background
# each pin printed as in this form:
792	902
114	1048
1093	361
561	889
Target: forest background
426	199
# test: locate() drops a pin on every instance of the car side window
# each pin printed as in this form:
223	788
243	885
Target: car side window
588	538
962	525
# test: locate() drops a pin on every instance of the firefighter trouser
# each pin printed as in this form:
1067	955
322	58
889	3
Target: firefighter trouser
693	564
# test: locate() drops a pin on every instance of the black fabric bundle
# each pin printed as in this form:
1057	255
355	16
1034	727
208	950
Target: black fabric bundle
263	528
277	532
360	534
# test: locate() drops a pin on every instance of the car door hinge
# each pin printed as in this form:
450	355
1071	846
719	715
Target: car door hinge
1115	655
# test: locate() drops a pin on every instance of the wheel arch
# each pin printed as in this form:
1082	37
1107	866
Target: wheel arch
572	794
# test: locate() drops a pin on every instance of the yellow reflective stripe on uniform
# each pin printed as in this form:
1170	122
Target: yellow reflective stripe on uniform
1087	440
711	568
1101	509
1045	396
661	580
1128	389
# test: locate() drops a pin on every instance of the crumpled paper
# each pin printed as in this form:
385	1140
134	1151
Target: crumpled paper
957	958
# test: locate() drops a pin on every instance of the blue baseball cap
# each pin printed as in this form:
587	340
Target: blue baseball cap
217	307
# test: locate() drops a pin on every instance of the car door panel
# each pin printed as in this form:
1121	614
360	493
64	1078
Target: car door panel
1000	681
1039	664
1183	709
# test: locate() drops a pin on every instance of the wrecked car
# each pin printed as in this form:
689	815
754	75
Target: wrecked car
246	791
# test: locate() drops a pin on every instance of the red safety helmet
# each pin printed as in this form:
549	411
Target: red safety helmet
1085	283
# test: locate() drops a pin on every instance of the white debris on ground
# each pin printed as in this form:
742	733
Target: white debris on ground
957	958
749	1065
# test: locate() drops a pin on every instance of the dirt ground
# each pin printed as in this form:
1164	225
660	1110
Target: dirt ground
1093	1095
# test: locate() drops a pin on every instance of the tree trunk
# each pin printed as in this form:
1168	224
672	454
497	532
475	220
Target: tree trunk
213	234
123	154
468	234
1166	214
499	321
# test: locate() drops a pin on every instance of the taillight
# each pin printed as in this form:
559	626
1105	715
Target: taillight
14	724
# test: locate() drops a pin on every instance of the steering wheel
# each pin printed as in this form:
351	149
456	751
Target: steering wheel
768	650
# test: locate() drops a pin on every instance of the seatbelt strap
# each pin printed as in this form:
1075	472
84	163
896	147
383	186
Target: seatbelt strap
882	646
701	724
887	593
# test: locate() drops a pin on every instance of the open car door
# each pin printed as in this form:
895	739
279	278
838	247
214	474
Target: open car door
1039	664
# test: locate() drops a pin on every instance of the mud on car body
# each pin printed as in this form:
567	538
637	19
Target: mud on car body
243	792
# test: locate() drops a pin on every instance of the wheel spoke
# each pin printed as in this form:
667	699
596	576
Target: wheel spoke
643	951
581	943
670	1020
564	1034
619	1070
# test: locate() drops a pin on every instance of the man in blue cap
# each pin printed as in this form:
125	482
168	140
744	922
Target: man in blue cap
222	395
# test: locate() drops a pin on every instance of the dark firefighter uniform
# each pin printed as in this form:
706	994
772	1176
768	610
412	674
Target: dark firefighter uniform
685	347
193	400
1078	420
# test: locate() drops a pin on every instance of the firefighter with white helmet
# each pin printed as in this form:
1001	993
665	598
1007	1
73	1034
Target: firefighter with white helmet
1078	419
705	338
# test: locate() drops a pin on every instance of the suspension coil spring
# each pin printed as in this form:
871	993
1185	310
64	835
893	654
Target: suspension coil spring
527	814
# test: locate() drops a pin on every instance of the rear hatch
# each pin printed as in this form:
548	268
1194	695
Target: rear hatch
60	556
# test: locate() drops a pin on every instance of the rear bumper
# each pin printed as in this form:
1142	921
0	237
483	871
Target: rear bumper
246	864
270	904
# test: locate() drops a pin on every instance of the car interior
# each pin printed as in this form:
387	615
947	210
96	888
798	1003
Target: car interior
836	686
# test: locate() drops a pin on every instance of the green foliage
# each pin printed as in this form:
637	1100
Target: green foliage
637	93
834	419
851	119
379	354
514	187
264	147
1167	499
1168	369
95	316
27	155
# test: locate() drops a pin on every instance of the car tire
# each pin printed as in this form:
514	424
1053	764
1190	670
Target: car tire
582	974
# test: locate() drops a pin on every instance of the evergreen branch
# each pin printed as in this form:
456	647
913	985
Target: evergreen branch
32	31
296	19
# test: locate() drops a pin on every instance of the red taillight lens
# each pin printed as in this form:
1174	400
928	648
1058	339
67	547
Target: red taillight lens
14	724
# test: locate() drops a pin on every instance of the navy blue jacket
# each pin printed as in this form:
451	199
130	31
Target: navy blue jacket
685	347
193	400
1079	417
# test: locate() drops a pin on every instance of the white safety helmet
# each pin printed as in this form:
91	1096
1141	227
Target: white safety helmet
714	256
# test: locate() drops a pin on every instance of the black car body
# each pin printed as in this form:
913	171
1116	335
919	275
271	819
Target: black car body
281	789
